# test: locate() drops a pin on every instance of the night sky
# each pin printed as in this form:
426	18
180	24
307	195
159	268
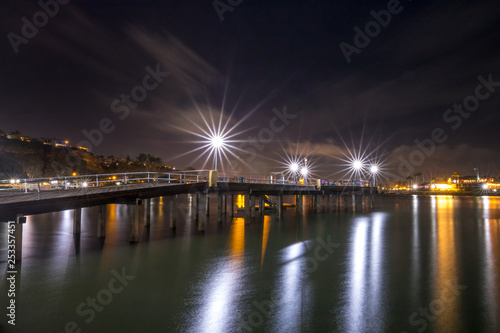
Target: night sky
391	89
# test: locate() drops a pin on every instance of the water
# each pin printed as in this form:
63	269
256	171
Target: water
414	264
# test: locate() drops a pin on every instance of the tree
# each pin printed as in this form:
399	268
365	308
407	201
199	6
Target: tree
409	179
418	177
456	175
150	161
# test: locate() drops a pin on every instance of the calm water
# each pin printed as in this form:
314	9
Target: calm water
414	264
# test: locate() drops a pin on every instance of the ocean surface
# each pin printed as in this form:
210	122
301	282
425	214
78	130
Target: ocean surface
412	264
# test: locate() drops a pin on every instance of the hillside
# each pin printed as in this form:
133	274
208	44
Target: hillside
20	159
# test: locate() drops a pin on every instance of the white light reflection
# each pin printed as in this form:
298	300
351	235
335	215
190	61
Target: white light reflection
434	232
221	288
356	288
490	276
415	252
292	293
376	273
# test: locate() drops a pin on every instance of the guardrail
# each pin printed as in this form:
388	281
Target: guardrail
124	179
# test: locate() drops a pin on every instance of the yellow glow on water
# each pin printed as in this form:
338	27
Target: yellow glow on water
265	236
237	238
446	303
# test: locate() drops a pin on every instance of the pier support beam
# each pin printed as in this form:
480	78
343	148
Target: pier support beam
252	205
224	205
279	203
134	224
231	205
196	204
354	202
262	205
202	213
207	204
317	201
77	221
247	207
219	208
300	204
173	212
147	212
101	221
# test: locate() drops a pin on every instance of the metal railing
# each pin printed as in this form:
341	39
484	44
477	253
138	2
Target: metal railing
124	179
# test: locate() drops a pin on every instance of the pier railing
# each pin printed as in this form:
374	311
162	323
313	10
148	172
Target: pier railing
123	179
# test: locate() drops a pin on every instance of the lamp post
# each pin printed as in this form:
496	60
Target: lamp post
216	142
304	171
294	167
374	170
357	165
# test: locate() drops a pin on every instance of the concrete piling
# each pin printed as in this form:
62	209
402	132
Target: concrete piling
279	203
231	206
173	212
300	204
147	212
247	207
134	225
202	213
252	205
101	221
77	221
219	208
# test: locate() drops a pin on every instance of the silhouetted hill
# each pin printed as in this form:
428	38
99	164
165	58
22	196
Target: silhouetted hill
21	159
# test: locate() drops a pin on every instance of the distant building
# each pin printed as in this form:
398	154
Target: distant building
14	136
54	142
472	181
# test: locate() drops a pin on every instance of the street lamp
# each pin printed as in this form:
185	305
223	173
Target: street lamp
357	165
374	170
304	172
216	142
294	167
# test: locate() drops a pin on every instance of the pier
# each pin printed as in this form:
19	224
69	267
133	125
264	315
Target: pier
137	190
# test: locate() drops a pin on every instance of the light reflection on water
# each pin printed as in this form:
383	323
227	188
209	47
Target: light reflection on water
220	288
364	289
390	263
491	258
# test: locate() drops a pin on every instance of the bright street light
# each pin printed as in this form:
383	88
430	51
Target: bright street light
304	171
216	142
374	170
294	167
357	165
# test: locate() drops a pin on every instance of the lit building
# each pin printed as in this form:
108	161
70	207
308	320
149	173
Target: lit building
54	142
